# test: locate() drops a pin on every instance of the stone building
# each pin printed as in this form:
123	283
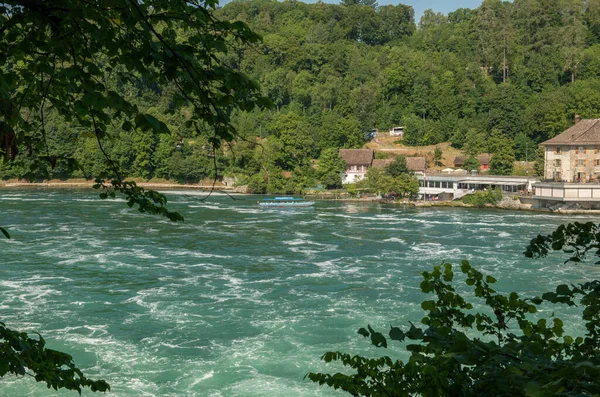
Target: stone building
574	155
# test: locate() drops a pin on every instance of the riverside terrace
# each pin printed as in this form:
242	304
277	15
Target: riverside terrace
451	186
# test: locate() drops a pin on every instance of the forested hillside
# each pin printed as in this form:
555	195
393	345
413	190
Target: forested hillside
500	78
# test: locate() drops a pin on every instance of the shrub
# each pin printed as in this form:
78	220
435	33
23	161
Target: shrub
482	198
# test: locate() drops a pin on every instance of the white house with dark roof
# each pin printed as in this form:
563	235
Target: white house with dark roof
358	162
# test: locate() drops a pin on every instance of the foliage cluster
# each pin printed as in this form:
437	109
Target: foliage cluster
20	354
394	180
487	343
481	198
471	163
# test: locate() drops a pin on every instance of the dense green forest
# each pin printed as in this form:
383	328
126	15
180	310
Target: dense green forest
499	78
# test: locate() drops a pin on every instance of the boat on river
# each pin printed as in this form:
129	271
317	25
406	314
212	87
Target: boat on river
286	202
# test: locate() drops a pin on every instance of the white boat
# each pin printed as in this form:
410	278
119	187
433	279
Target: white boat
286	202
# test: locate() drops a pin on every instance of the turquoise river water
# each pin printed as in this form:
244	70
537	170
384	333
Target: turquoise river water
238	300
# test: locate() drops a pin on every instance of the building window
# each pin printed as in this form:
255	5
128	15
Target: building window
596	150
558	149
580	150
557	162
581	163
597	162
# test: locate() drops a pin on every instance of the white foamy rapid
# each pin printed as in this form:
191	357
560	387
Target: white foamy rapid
238	300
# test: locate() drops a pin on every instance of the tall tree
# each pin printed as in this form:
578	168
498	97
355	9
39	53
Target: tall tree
397	167
330	168
572	35
502	162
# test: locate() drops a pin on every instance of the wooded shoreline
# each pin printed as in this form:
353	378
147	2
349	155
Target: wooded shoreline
89	184
505	204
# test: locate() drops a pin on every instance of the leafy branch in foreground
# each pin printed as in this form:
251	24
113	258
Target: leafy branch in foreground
22	355
148	201
574	238
505	348
71	59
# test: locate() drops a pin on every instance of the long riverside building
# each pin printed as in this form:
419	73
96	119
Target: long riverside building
452	186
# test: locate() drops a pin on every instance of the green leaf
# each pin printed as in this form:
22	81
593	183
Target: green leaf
378	339
397	334
414	332
428	305
549	296
563	289
533	389
465	266
558	327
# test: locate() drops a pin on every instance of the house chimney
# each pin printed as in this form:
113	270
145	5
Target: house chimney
577	118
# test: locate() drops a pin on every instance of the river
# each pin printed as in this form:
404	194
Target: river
238	300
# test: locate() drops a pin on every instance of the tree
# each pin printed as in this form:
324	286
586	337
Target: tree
367	3
55	56
397	21
330	168
397	167
437	156
471	163
381	181
475	142
504	108
546	114
525	148
507	349
298	142
502	161
572	35
406	185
